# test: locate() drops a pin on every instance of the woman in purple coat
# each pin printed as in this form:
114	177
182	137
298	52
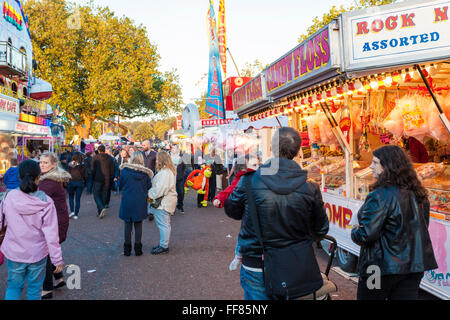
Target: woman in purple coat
53	182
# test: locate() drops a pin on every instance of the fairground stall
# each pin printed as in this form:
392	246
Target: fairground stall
372	77
24	119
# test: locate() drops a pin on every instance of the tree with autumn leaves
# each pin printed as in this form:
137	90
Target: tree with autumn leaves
336	12
100	66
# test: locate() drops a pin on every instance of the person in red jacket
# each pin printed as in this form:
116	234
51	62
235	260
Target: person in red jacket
244	165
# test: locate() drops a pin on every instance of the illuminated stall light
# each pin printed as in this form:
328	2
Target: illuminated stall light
433	70
396	78
407	77
388	81
416	75
381	83
374	84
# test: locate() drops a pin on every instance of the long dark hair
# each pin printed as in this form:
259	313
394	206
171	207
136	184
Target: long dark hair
29	171
398	171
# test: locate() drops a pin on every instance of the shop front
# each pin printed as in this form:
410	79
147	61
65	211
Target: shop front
390	84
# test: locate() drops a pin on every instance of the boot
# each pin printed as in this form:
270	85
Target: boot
127	249
138	249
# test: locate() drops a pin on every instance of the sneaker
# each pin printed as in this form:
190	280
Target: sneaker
182	211
75	218
71	214
159	250
102	213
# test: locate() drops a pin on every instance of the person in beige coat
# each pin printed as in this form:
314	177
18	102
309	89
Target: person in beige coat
163	190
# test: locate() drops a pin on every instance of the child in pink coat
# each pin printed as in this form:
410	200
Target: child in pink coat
31	234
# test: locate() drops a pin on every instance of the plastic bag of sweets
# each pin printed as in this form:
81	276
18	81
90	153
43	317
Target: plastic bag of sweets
313	129
437	129
415	113
394	122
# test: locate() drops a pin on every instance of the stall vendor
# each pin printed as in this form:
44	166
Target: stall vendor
418	152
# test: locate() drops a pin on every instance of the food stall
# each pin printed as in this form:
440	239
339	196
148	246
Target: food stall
390	84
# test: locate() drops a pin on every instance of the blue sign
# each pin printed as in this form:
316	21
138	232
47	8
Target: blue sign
214	96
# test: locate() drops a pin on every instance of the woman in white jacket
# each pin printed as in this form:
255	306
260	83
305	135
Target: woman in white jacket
163	188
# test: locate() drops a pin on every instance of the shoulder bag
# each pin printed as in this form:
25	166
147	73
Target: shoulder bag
2	229
289	272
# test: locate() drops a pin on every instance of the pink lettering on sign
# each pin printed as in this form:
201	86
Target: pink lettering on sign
311	55
248	93
339	215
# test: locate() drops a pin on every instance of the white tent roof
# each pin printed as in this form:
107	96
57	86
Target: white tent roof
245	124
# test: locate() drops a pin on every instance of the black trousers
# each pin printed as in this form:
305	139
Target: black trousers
137	232
100	195
180	194
212	187
49	275
393	287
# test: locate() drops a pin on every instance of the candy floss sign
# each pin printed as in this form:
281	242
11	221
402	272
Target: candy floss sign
317	54
248	94
407	32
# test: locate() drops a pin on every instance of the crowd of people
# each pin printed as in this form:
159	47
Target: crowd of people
278	207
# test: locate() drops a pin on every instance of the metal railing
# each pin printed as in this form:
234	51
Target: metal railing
13	59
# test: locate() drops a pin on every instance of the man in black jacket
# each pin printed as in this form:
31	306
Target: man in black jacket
103	175
289	208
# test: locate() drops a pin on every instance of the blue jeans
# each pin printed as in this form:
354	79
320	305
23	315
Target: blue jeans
18	273
162	219
89	183
75	189
253	285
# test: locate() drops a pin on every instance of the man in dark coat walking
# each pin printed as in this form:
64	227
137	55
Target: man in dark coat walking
103	175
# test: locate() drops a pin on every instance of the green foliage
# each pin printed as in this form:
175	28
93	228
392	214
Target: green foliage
252	69
143	132
201	104
99	65
335	12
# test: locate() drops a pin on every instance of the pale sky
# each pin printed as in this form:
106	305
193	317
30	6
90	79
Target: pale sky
256	29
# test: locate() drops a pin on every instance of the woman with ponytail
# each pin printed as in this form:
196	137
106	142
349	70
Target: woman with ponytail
31	234
53	182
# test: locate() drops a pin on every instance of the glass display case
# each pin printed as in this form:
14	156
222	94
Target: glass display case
435	178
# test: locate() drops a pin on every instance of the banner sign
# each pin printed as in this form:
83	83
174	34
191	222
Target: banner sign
314	56
397	34
33	129
249	94
215	122
222	36
9	105
214	96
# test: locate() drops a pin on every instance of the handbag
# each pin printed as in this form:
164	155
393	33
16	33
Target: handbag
289	272
156	203
2	229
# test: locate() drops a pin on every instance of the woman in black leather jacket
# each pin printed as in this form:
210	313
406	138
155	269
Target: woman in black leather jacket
393	230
